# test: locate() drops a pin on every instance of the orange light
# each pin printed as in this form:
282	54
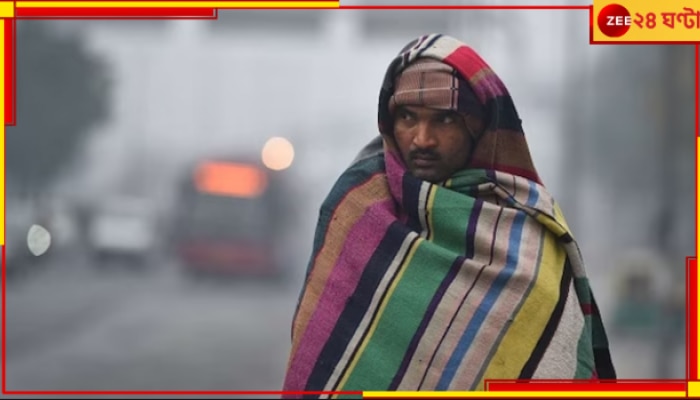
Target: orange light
229	179
278	154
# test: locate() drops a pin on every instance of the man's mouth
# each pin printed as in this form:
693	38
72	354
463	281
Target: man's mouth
424	162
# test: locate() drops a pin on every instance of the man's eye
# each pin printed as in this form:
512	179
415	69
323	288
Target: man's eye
448	119
405	116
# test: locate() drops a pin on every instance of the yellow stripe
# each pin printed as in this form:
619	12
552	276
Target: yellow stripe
429	210
555	226
2	139
481	394
179	4
519	341
373	327
7	9
559	216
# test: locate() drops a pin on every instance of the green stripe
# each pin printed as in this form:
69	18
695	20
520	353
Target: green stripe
348	396
450	210
403	313
465	181
600	337
585	360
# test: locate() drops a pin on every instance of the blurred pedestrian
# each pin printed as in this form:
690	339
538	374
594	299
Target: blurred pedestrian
440	259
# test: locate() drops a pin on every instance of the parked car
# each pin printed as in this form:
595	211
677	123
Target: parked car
122	229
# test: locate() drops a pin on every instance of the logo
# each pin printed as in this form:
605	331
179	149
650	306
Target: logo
614	20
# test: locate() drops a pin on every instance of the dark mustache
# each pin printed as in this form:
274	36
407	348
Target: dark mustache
424	154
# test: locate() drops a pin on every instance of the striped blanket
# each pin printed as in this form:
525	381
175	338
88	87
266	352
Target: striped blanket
421	286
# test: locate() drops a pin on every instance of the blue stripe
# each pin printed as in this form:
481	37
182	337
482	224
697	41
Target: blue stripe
534	195
489	300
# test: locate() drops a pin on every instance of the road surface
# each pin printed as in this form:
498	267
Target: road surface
74	328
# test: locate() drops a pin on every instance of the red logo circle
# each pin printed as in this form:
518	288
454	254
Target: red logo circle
614	20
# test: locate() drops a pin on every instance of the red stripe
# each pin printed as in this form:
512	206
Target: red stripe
170	393
466	61
476	7
10	75
4	320
597	386
176	1
697	101
116	13
691	337
692	321
522	172
587	309
590	24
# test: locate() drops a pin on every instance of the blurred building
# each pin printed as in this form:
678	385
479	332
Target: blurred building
631	177
633	122
187	88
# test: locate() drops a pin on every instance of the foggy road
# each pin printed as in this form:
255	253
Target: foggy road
72	328
76	328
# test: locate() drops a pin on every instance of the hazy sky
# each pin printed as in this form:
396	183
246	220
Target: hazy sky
185	90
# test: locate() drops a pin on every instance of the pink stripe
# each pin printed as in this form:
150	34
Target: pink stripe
394	173
364	237
491	85
469	64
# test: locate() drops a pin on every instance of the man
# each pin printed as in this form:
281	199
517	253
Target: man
439	259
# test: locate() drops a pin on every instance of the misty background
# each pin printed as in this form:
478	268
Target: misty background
112	116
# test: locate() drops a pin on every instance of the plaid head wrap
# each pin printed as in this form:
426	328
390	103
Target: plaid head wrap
434	84
475	89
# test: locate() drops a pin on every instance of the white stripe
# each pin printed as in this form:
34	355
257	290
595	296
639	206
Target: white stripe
560	358
443	47
413	53
574	253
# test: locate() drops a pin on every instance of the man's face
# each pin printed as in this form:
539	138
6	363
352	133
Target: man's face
434	144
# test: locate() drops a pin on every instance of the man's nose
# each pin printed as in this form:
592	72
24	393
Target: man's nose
424	138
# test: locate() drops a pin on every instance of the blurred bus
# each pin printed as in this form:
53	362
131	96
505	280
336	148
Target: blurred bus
229	219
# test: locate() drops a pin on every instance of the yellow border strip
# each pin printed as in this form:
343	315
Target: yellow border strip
483	394
693	389
179	4
7	10
4	128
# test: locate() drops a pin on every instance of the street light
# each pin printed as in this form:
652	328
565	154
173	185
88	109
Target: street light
278	154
